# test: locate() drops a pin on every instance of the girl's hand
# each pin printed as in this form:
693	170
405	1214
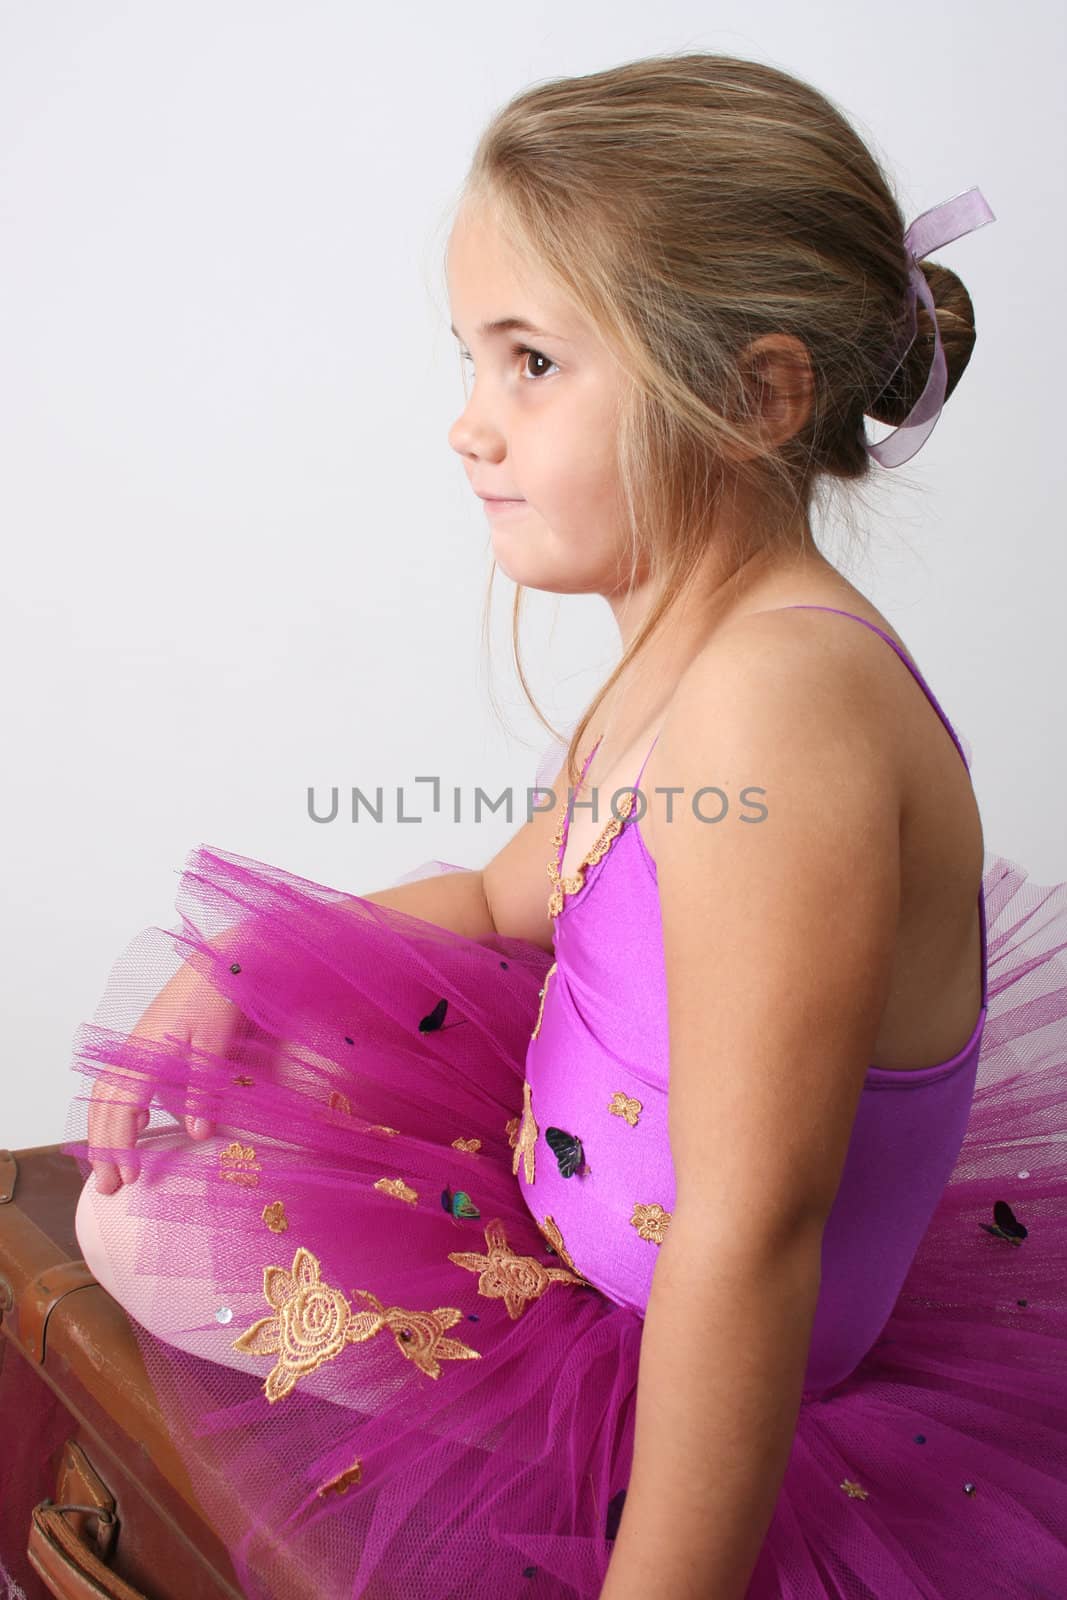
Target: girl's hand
190	1008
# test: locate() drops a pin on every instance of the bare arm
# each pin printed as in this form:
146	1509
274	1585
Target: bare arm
453	900
791	924
508	896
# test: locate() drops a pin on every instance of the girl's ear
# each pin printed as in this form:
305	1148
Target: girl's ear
779	380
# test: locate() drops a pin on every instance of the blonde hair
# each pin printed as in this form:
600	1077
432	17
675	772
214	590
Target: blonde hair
687	204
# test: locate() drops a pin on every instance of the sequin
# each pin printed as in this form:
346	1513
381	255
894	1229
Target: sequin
968	1488
853	1490
527	1139
503	1275
920	1438
313	1322
541	1008
274	1216
224	1314
571	884
398	1188
343	1481
624	1105
238	1164
1023	1174
651	1221
235	966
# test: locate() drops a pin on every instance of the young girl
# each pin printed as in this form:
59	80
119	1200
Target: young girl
674	1206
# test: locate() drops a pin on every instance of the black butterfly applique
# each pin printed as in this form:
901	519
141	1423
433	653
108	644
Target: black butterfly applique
1005	1224
567	1148
434	1019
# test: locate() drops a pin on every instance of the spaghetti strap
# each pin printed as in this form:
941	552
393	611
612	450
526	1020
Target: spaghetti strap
644	764
912	668
567	809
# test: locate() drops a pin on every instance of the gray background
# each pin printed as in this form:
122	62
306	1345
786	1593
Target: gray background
240	557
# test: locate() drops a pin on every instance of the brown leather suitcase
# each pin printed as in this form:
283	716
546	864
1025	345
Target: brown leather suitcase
94	1499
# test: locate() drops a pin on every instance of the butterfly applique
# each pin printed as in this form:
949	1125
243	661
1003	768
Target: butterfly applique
459	1203
567	1148
1005	1224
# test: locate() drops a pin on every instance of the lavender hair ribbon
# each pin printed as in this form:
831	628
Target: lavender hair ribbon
930	230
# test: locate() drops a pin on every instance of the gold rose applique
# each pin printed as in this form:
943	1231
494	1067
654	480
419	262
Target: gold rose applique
472	1146
397	1187
274	1216
853	1490
313	1322
503	1275
651	1221
238	1164
542	992
524	1145
625	1106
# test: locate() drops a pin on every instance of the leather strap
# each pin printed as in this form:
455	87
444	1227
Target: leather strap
41	1297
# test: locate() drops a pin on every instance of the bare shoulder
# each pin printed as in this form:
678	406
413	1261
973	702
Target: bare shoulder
777	698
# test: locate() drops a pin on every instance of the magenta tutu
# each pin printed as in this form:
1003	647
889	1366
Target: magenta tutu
392	1308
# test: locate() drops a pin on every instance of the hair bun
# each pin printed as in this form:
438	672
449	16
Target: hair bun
955	319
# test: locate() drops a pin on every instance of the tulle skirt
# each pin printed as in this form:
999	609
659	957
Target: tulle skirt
385	1380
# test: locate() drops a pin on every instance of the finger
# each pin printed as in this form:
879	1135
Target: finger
112	1135
107	1177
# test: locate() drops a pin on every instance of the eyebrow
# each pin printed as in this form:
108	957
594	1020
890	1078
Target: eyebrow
511	325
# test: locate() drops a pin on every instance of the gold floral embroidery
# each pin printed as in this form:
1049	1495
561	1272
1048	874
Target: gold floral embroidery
397	1187
340	1102
541	1008
524	1146
511	1128
472	1146
550	1229
572	883
274	1216
853	1490
244	1080
651	1221
313	1322
505	1276
238	1164
343	1480
380	1127
625	1106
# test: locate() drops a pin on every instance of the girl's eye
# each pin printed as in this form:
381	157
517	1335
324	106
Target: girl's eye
519	350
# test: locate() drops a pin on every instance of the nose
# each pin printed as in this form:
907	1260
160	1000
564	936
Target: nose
473	435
